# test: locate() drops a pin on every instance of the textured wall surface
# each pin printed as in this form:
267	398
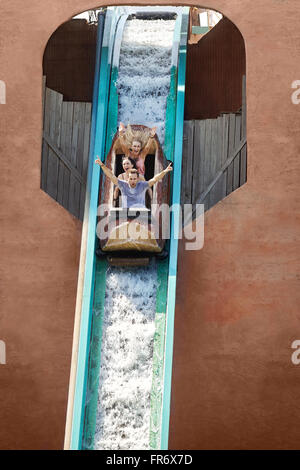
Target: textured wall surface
234	385
69	60
214	70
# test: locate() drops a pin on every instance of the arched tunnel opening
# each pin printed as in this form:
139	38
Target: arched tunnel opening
215	141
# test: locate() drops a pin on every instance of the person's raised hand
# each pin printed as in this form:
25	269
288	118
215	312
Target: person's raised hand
121	128
98	161
169	167
153	131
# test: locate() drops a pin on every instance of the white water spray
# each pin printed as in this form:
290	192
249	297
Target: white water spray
144	73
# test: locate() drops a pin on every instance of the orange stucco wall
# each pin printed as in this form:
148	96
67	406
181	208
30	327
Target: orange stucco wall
234	385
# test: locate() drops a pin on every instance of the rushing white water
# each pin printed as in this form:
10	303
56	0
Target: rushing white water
144	73
123	415
126	367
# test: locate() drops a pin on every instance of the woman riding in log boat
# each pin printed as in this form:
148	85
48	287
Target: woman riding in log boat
136	144
128	164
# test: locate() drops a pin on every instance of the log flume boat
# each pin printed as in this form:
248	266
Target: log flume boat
133	233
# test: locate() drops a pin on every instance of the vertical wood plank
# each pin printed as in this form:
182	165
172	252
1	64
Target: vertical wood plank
184	161
45	147
222	184
68	152
60	182
208	149
69	139
225	137
58	112
86	143
68	130
198	154
196	161
214	163
74	192
225	143
219	142
79	154
43	97
80	142
75	132
66	188
207	157
63	128
187	162
214	148
197	180
55	126
61	166
62	170
200	182
185	156
57	135
229	184
218	191
243	164
189	186
236	162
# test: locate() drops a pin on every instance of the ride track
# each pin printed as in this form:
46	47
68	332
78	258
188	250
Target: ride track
87	338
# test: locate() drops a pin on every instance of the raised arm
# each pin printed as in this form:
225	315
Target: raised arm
107	171
148	145
160	175
122	140
146	149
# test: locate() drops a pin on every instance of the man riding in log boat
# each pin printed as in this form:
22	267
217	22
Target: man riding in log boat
133	191
128	164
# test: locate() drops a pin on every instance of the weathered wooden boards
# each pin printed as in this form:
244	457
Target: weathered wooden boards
243	171
65	150
214	158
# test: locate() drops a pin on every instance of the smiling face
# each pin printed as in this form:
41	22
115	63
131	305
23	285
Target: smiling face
127	165
136	147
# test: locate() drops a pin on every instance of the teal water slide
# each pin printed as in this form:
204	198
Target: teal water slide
86	356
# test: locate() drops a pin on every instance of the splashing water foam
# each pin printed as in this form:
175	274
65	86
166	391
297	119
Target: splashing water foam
144	73
123	415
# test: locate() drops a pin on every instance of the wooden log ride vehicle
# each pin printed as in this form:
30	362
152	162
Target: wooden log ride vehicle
133	235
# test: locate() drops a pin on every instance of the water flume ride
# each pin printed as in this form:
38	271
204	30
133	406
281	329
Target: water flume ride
120	382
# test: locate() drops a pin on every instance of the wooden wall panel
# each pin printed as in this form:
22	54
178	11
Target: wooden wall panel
65	150
215	67
69	60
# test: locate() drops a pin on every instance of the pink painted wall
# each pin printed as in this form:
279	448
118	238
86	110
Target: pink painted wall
234	385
